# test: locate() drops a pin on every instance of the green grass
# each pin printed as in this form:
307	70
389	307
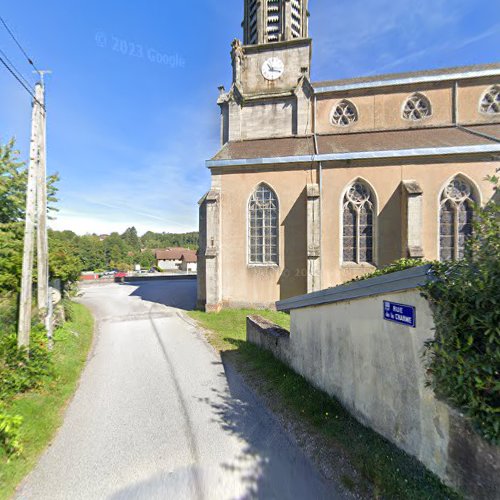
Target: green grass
387	472
43	410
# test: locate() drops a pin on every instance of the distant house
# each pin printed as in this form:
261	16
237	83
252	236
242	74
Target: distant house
189	262
171	259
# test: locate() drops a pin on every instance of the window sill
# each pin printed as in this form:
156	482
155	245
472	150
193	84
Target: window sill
260	266
355	265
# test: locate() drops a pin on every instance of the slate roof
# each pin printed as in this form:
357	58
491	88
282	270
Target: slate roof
414	74
360	142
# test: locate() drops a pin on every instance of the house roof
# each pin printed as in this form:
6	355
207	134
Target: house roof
172	253
302	148
190	257
459	72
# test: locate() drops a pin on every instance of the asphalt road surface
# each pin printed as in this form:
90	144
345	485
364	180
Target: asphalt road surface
158	416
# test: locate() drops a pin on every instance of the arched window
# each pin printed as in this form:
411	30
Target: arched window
359	212
490	102
455	219
417	107
263	217
344	114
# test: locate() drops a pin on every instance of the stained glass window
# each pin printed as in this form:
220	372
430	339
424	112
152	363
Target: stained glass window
490	102
263	226
455	219
344	114
358	224
417	107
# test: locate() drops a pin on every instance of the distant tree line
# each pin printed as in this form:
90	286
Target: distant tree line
120	251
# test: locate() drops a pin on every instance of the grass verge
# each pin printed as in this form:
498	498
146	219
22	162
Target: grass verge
43	410
386	471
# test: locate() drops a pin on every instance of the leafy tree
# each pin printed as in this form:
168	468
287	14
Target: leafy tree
464	358
64	262
131	239
13	177
91	252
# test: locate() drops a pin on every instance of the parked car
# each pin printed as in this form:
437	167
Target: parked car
120	274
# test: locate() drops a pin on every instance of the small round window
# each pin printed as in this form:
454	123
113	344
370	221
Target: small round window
344	114
417	107
490	102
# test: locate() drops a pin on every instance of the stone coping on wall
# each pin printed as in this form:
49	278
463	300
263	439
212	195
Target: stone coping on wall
394	282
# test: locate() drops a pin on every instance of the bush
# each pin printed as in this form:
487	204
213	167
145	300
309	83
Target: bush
10	440
464	357
21	371
398	265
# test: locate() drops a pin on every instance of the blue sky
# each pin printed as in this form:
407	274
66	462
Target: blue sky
129	133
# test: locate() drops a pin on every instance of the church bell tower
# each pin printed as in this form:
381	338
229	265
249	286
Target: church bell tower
268	21
271	93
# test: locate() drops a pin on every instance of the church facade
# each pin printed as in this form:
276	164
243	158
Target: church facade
319	182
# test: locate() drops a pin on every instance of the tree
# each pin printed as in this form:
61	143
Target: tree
131	239
64	261
92	252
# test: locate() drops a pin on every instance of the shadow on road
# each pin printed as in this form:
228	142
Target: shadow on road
180	294
270	465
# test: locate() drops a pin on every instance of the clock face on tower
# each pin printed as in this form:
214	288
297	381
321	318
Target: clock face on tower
273	68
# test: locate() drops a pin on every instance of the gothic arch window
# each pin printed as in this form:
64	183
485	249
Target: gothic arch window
344	114
358	224
455	219
263	217
417	107
490	102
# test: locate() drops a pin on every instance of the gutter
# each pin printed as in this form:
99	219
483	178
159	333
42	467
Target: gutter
361	155
407	81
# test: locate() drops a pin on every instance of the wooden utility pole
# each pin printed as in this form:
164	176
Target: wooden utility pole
25	303
44	299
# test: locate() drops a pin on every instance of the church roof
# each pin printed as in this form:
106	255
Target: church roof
406	139
254	148
301	149
459	72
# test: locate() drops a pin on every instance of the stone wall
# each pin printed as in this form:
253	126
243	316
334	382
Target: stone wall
342	344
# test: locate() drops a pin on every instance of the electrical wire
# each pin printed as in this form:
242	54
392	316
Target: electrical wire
12	65
13	73
30	61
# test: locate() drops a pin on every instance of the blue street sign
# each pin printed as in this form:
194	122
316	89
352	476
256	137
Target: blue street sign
400	313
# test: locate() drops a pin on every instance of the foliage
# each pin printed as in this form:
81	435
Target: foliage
464	358
11	255
64	262
20	370
41	409
10	440
118	251
382	468
398	265
13	179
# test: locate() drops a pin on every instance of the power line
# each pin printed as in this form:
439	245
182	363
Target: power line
16	70
17	43
13	73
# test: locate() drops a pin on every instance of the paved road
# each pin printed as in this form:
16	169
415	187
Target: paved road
157	415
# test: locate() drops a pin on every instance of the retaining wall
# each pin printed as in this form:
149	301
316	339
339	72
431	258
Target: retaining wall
341	342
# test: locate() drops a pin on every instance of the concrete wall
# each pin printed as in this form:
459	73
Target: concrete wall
166	265
375	368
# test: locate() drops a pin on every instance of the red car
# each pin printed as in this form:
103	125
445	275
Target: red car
120	275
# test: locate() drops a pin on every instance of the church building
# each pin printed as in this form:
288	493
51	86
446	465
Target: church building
319	182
